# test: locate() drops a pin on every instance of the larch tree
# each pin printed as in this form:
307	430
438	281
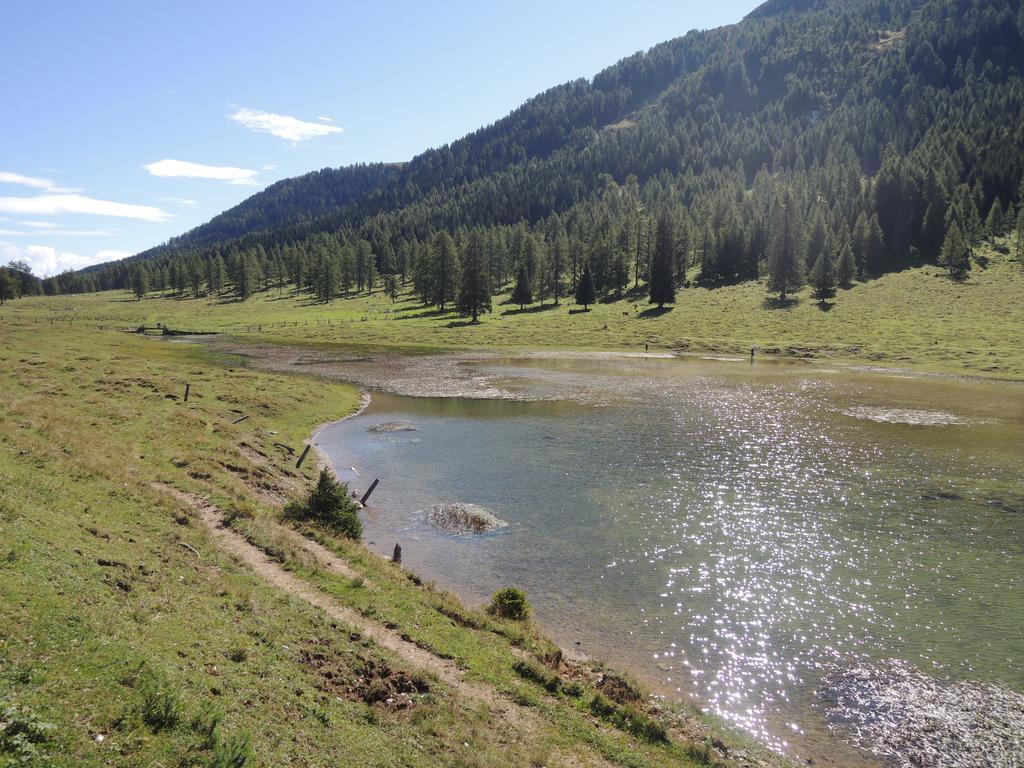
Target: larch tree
784	273
475	294
445	272
585	292
955	255
522	294
662	278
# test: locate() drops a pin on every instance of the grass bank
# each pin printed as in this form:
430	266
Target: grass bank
917	319
126	628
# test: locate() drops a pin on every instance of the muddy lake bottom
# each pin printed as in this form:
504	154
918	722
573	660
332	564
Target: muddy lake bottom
769	541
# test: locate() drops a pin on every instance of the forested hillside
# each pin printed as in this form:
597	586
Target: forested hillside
821	141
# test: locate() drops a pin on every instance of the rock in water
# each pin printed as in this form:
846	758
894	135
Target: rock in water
394	426
462	519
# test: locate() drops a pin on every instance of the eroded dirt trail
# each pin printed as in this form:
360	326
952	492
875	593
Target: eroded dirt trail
514	715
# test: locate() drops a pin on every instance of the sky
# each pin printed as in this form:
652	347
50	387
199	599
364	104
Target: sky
123	124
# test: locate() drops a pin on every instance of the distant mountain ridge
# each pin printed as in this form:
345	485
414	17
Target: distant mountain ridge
895	110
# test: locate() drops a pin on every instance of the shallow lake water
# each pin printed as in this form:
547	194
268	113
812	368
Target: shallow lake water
730	533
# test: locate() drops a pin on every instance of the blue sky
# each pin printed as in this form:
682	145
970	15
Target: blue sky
126	123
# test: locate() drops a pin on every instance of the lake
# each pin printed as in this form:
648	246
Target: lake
731	533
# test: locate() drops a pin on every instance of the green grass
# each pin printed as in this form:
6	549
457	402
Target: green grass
917	319
126	628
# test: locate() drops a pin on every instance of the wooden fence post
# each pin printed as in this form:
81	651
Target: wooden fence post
302	458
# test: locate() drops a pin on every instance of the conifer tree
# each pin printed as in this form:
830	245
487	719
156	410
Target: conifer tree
521	294
994	222
445	272
845	268
140	281
475	295
956	253
823	277
784	272
663	281
585	293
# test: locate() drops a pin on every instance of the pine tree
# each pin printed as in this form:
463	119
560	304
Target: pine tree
823	277
140	281
521	294
585	293
784	273
618	275
663	281
445	273
956	253
845	269
994	222
475	295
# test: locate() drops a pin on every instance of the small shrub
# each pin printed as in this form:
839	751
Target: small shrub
510	603
238	654
330	505
161	707
231	753
205	724
22	734
535	673
236	512
628	719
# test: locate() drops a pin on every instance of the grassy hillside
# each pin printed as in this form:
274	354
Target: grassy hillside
130	637
917	318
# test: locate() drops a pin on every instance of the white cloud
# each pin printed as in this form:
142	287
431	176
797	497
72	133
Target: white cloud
282	126
41	224
325	119
56	232
180	201
46	260
6	177
183	168
53	205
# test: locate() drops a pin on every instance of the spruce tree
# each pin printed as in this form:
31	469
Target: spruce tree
823	277
956	253
784	272
445	272
521	294
663	281
994	222
845	269
585	293
475	295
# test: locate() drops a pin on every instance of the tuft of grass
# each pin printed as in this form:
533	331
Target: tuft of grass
629	719
161	707
234	752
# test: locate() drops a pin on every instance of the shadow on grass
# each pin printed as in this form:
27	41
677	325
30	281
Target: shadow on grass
774	302
655	312
421	315
826	306
583	311
461	323
531	309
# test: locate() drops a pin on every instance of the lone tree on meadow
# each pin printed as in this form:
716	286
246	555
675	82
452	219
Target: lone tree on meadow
663	281
521	294
585	293
823	277
475	295
955	255
783	254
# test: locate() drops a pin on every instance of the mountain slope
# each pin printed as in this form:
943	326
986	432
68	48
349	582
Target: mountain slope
878	117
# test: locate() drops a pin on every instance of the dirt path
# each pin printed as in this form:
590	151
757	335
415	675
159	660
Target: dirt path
520	718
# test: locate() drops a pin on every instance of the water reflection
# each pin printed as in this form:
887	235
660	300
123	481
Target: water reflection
727	532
